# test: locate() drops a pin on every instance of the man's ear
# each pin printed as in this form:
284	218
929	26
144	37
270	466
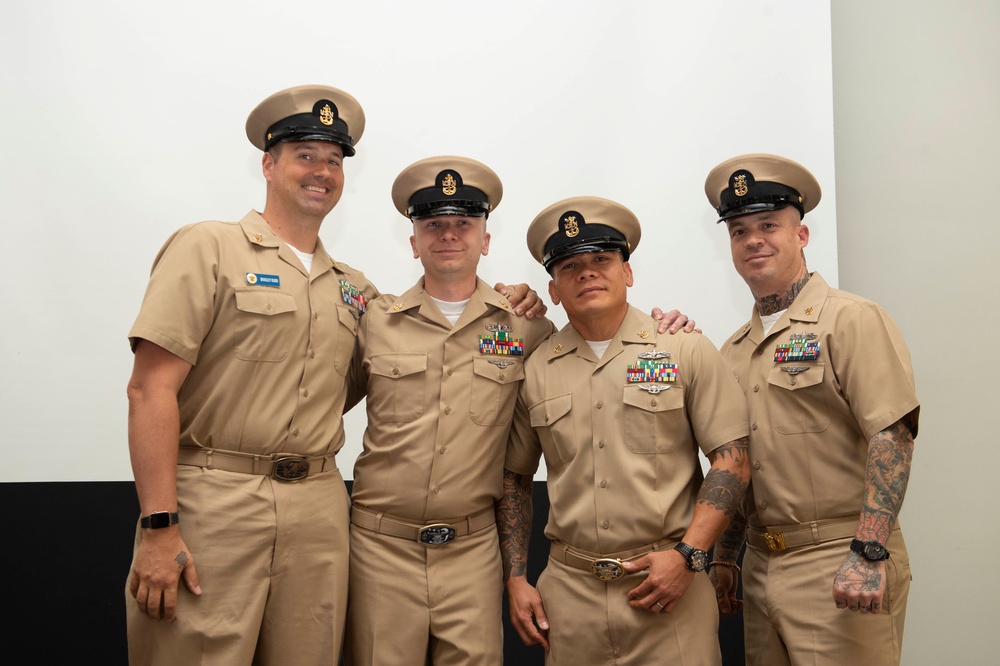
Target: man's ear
413	244
628	274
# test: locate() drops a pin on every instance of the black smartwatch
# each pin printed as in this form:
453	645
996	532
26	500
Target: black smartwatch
697	559
158	520
872	551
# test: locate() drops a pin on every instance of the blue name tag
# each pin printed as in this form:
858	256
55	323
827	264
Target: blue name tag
263	279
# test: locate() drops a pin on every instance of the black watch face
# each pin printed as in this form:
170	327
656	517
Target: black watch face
159	520
873	551
698	560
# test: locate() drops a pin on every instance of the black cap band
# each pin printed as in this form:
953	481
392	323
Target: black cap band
322	124
587	238
762	195
465	208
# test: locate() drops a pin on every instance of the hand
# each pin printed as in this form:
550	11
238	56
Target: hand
859	584
161	562
526	612
673	321
668	580
725	580
523	299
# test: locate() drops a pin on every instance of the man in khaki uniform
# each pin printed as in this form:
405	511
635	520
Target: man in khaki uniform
242	346
440	365
620	413
833	414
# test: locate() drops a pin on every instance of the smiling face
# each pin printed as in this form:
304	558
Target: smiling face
767	249
450	246
592	288
305	178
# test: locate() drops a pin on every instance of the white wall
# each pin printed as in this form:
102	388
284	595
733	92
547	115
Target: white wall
124	120
916	100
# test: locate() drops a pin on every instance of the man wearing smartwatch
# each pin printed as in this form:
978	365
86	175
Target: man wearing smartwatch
620	414
241	351
833	414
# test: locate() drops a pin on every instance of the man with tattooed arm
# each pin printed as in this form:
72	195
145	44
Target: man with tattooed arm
619	413
833	414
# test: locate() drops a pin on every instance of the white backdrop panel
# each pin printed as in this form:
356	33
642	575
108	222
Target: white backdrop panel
124	121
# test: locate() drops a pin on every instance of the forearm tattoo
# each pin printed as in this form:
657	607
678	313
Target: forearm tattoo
890	453
514	511
778	302
722	488
729	545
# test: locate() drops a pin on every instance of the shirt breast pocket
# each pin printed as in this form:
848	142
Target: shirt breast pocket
396	387
651	417
551	421
494	390
261	317
796	401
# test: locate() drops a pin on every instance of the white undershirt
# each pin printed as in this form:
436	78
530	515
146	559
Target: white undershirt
599	347
770	320
452	310
305	258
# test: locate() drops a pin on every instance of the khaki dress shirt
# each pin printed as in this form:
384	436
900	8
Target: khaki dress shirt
622	461
813	412
440	400
270	345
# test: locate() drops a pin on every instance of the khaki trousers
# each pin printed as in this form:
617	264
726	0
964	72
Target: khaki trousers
790	616
272	561
414	605
591	622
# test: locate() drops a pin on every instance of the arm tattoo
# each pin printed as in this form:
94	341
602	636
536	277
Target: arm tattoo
514	511
778	302
722	488
729	545
890	453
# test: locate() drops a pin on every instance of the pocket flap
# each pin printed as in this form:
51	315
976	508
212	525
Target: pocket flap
398	365
549	411
264	301
512	370
672	397
792	377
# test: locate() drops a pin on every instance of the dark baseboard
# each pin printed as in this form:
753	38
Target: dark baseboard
66	559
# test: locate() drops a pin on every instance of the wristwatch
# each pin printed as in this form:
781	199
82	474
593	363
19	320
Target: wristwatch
158	520
872	551
697	559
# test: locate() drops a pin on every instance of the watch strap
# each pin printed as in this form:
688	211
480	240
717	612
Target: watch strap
872	551
159	519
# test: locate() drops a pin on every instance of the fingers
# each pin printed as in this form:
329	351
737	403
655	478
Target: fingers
190	577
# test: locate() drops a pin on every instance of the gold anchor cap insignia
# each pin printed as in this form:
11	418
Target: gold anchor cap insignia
571	227
449	185
740	185
326	115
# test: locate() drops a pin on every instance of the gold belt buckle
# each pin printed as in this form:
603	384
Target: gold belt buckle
437	534
607	568
774	541
290	468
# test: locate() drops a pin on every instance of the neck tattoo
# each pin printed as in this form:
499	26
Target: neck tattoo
778	302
